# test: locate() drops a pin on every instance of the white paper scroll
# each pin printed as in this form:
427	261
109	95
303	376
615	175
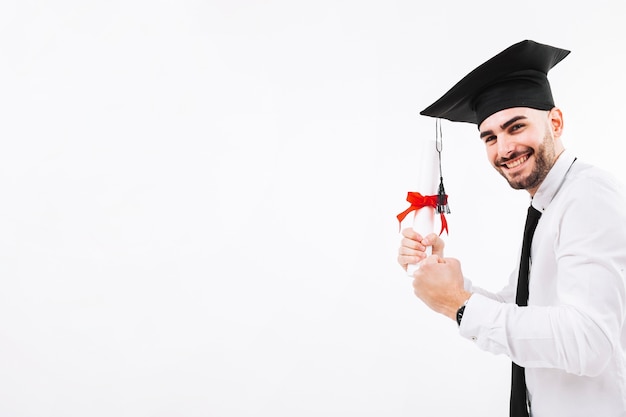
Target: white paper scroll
428	184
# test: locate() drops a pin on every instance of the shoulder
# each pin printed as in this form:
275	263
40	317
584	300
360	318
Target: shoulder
589	180
588	210
591	200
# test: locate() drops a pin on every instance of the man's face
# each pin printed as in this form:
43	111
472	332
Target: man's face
520	145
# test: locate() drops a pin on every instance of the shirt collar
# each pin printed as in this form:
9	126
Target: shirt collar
552	183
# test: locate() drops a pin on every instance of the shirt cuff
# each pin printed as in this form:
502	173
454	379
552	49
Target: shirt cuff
483	323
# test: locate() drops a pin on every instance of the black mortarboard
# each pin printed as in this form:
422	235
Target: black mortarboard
516	77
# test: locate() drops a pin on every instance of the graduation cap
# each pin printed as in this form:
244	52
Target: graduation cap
516	77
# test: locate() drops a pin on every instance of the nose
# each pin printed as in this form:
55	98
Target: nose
505	146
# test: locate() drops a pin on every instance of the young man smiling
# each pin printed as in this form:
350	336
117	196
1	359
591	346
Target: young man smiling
562	317
519	149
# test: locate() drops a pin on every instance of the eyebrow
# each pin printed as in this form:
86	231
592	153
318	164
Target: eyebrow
503	126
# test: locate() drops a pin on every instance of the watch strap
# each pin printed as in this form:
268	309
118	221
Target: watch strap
460	312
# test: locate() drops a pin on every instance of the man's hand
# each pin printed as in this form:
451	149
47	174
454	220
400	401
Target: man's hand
413	247
439	284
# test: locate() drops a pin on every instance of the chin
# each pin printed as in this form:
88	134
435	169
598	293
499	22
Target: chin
517	182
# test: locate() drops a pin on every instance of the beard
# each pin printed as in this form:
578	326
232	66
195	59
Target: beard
544	159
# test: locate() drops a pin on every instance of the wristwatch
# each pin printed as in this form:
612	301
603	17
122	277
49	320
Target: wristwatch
460	311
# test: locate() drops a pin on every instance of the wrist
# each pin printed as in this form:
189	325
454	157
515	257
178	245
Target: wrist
459	306
460	312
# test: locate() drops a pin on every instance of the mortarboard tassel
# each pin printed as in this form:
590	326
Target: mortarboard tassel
442	199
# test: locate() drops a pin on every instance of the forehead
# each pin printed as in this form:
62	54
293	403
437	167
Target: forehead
496	120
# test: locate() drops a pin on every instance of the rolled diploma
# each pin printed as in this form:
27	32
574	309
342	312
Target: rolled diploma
428	184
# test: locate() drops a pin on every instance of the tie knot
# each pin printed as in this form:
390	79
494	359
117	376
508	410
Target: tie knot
533	213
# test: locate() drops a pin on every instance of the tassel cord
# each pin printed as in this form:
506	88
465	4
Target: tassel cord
442	203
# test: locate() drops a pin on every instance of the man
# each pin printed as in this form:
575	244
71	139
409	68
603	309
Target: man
562	317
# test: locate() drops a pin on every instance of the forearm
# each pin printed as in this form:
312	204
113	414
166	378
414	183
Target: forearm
545	337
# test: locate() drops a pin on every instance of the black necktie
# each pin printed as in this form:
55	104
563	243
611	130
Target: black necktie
518	405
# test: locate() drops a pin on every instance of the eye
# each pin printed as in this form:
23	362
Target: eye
517	127
490	138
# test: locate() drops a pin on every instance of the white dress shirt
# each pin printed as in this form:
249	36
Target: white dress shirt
571	339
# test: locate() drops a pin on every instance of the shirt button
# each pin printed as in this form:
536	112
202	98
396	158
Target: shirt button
474	338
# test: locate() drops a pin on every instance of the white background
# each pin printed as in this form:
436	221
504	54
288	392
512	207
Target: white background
198	200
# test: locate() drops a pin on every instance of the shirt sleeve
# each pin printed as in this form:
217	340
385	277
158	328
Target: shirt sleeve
580	329
506	295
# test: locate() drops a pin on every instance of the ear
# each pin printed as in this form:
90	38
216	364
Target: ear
555	118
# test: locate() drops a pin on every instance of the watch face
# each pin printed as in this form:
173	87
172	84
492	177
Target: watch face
459	314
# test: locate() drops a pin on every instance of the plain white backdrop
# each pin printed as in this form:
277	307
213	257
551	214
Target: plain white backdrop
198	200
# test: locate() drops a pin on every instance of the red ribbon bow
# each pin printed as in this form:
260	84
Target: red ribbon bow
419	201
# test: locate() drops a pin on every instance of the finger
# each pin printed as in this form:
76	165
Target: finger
431	239
404	261
455	263
435	241
409	233
411	253
403	250
432	259
412	244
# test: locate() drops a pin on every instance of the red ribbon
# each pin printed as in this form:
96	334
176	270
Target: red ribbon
419	201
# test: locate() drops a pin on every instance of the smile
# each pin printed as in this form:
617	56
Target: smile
515	163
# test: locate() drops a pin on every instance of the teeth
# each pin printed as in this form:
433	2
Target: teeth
517	162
